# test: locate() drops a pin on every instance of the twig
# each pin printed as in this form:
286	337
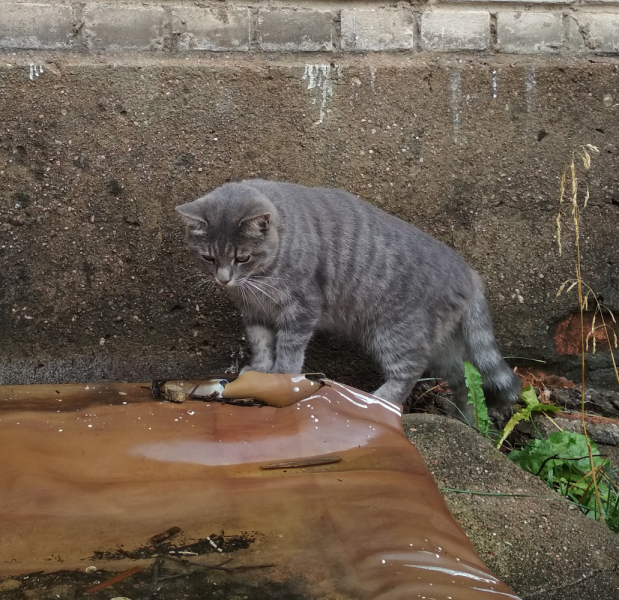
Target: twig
165	535
113	580
199	565
220	566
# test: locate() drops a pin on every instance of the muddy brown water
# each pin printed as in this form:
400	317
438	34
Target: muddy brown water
89	469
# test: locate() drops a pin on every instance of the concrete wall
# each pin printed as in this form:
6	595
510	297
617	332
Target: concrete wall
111	114
537	26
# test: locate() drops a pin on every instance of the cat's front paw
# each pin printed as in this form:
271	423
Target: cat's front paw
259	368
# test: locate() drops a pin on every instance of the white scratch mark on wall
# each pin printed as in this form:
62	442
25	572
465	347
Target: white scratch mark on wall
35	71
530	84
372	78
494	85
455	89
319	77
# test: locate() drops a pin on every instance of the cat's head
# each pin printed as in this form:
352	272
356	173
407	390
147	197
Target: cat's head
232	232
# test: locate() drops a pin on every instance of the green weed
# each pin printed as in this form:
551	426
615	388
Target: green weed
563	461
473	380
532	406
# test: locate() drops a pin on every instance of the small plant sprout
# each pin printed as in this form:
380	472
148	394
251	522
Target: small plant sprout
473	381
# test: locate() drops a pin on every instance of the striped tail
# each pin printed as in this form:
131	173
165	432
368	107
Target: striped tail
501	385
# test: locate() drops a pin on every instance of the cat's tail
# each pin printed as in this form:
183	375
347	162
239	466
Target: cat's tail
501	385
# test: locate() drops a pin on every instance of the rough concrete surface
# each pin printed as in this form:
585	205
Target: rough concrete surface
564	26
543	548
95	152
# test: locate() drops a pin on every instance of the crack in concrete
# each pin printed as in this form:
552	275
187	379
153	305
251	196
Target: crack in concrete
585	32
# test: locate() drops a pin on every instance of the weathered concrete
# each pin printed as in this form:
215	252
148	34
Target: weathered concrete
451	30
178	26
201	28
119	27
544	548
593	32
378	29
30	25
95	152
295	30
519	31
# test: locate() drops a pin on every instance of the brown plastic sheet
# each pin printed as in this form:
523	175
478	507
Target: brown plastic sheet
87	468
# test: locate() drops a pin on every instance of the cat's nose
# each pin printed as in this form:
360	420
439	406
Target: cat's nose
224	276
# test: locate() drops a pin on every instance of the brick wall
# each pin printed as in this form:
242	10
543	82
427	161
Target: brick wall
548	26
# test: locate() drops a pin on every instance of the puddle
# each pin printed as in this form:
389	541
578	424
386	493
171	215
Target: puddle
330	498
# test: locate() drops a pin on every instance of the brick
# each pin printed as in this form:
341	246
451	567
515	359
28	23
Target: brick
36	26
568	334
300	30
593	32
455	30
211	29
381	29
529	32
124	27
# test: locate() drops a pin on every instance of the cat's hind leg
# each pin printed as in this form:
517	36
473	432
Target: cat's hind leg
447	362
401	361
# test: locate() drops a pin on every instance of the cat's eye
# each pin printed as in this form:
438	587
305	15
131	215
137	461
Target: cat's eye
208	258
242	258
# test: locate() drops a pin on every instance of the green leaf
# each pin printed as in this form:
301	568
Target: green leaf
474	382
521	415
564	455
529	397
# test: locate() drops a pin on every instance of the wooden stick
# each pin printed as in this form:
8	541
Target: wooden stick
113	580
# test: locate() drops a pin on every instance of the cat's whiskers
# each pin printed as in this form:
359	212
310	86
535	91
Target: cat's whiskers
199	286
276	289
245	284
273	277
242	291
255	285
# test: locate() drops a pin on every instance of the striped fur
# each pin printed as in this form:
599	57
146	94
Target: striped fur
324	259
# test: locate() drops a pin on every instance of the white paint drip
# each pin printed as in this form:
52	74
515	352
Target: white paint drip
530	84
319	77
35	71
455	88
494	85
372	78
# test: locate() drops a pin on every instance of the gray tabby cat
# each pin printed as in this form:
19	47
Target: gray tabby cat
296	259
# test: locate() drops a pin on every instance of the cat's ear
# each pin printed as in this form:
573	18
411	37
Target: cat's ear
256	224
191	213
